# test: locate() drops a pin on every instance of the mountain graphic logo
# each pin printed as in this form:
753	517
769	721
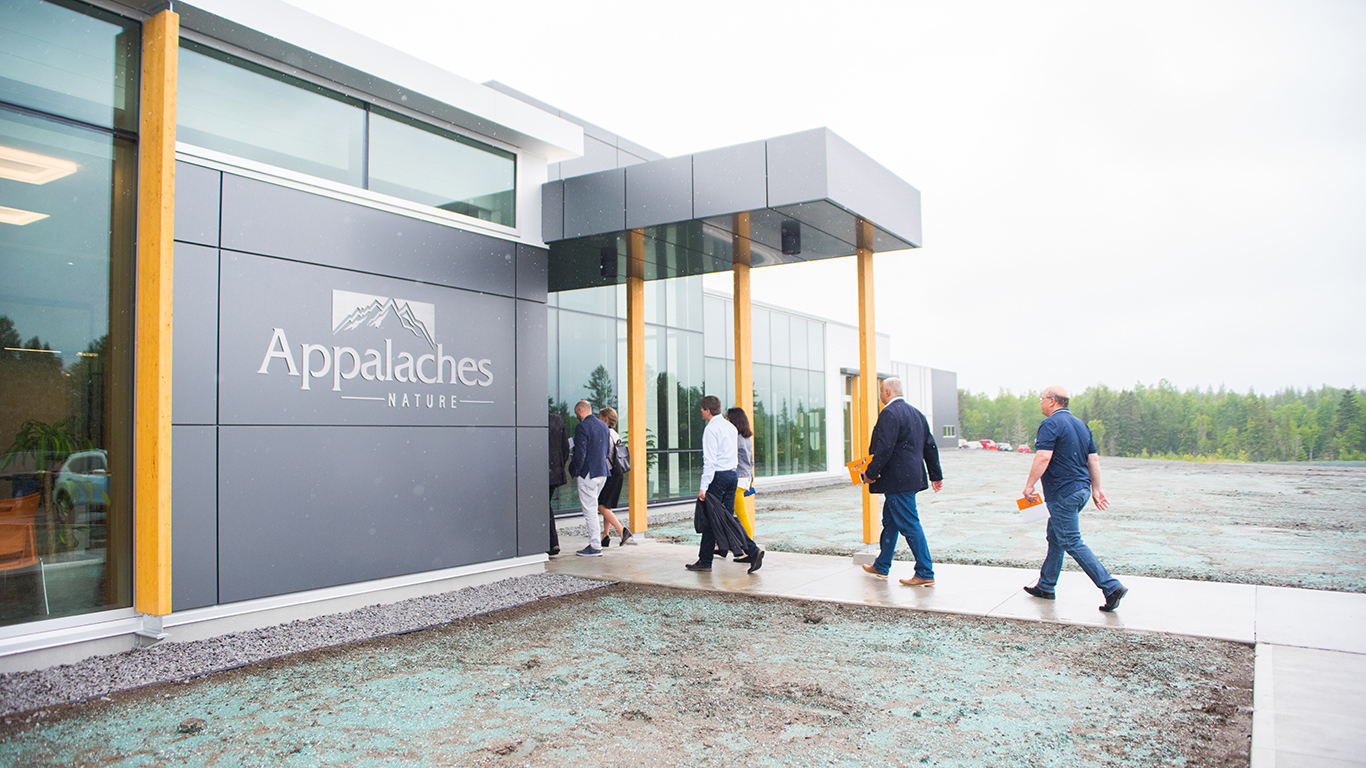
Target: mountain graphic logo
353	310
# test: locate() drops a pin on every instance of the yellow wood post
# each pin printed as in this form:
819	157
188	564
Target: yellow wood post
635	377
152	343
866	386
744	337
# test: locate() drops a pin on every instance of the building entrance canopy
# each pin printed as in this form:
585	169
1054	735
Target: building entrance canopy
801	197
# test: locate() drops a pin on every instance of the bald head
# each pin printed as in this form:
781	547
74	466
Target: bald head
1056	394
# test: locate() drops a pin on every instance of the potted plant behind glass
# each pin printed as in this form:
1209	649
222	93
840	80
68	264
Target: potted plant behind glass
47	446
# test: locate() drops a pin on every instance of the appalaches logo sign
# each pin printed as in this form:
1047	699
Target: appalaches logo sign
405	324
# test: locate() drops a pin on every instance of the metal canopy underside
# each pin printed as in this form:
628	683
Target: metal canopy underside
813	184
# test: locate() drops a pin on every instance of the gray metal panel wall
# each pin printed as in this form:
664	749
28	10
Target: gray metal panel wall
944	386
659	192
531	273
194	529
862	184
195	335
275	221
730	179
196	204
533	489
552	211
310	507
595	203
272	304
533	349
797	168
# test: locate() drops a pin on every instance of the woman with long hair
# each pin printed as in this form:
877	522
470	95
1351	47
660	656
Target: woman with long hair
610	495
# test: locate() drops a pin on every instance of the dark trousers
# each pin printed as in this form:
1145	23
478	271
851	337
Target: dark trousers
554	534
724	484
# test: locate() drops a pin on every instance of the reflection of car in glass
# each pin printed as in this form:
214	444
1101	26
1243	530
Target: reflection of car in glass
83	482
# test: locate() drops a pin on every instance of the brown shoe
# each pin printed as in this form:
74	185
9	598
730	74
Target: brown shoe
872	570
916	581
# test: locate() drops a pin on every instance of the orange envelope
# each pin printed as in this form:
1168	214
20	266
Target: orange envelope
1025	503
856	467
1032	510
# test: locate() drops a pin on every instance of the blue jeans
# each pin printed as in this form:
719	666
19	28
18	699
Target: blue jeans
899	518
1064	535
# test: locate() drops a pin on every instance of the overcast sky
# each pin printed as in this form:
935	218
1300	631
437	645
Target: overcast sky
1112	193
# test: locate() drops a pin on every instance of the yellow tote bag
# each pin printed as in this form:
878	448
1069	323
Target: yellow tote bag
744	508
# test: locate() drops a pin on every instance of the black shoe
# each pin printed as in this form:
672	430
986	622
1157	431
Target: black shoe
743	559
554	552
697	567
1112	599
625	537
758	561
1039	593
721	553
606	542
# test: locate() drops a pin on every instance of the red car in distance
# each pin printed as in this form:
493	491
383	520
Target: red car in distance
1023	449
989	445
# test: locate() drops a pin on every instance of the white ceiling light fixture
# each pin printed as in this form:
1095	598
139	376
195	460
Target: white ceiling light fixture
31	167
19	217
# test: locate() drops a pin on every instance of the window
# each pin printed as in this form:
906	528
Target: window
950	430
66	246
445	170
240	109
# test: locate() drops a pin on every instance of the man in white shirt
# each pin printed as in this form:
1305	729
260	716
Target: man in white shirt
719	460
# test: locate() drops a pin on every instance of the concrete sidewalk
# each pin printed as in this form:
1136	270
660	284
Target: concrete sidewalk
1310	679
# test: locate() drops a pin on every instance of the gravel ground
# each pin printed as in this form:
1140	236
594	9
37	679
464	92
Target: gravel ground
698	679
1277	524
168	661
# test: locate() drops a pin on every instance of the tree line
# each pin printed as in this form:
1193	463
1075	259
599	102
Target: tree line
1325	424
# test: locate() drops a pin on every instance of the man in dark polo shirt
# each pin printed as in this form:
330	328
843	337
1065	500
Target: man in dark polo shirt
1067	462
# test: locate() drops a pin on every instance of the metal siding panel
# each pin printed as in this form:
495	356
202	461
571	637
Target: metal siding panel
729	180
595	203
260	294
312	507
196	204
533	350
552	211
532	278
659	192
533	490
797	168
945	386
194	530
861	184
194	378
271	220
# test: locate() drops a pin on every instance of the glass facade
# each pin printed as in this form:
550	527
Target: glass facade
237	108
789	384
588	361
67	194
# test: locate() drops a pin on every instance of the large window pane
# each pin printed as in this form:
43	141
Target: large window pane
816	346
78	65
759	321
715	326
441	169
65	256
800	349
240	110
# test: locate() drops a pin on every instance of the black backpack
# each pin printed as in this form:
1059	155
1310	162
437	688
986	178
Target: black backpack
619	458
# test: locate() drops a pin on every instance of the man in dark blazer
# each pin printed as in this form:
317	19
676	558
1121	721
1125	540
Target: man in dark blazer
559	456
589	467
902	446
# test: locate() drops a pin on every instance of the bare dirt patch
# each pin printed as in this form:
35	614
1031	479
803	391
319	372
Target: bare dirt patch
633	675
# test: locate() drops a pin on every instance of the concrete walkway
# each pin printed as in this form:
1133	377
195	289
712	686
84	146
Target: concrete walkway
1309	687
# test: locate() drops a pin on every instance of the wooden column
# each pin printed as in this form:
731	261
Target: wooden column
866	386
635	377
744	337
152	343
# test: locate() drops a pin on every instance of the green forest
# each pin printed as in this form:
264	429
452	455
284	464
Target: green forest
1162	422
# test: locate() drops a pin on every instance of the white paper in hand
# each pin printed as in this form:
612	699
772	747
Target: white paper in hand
1036	512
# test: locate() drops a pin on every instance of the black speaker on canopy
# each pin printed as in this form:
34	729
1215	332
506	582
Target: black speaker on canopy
792	238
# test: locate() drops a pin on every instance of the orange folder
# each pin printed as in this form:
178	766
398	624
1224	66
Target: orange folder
1024	504
856	467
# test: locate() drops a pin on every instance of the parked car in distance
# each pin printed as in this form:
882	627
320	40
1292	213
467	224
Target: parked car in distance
1024	448
990	445
969	444
1003	447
